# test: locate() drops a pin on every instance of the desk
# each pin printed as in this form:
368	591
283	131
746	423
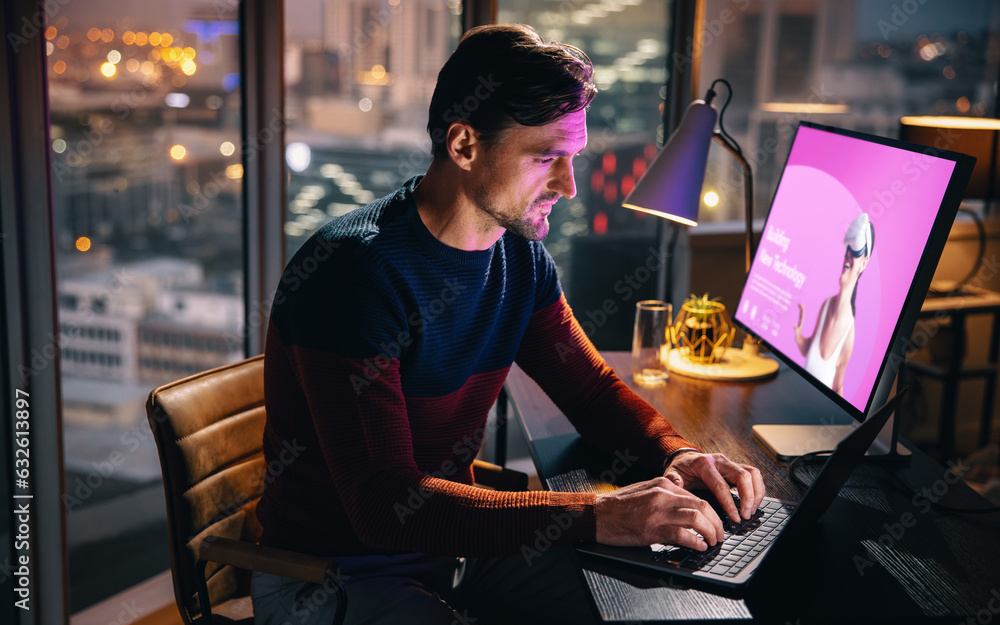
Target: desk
878	556
957	308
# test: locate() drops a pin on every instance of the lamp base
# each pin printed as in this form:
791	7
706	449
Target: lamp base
736	365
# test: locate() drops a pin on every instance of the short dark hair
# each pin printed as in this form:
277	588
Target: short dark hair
505	74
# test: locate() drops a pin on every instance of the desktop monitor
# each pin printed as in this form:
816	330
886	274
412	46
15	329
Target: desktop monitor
855	230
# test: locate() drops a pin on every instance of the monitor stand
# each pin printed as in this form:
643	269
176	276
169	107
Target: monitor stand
785	442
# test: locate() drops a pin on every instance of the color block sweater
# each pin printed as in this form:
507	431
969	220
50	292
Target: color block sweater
385	350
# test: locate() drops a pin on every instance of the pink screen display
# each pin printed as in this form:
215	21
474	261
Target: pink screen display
832	185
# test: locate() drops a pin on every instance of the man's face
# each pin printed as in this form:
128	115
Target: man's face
526	171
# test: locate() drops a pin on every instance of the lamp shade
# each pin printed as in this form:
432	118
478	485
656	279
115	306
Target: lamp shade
671	187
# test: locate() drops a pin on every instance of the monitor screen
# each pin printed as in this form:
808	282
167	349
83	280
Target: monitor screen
855	230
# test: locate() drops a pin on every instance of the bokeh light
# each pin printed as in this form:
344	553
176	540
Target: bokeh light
177	152
108	69
83	244
298	156
227	148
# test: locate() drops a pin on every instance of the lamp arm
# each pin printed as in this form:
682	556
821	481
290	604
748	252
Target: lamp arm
734	149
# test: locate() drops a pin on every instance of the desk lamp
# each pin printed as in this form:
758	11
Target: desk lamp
671	188
974	136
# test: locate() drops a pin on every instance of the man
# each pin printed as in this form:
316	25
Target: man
391	335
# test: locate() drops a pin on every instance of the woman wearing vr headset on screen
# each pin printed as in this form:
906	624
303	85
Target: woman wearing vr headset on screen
828	350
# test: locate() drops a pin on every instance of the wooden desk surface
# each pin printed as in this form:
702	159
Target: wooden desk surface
711	415
941	566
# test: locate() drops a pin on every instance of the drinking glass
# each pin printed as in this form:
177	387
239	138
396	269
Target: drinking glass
650	341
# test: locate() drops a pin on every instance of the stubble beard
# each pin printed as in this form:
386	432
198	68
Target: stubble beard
514	221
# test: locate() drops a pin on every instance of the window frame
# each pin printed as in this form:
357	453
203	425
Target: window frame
29	362
29	280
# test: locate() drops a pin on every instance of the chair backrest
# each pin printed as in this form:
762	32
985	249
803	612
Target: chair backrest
209	431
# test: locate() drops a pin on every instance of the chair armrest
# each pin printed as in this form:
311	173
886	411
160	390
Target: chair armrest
500	478
253	557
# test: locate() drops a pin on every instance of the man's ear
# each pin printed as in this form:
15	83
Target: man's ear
463	144
864	262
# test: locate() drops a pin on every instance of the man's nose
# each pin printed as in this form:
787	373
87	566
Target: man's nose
562	181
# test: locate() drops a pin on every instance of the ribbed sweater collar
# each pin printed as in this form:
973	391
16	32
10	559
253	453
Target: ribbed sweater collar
435	248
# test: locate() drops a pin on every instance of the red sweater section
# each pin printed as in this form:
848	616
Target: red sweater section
557	354
381	472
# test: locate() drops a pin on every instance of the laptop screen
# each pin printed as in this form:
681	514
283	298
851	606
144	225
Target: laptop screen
847	234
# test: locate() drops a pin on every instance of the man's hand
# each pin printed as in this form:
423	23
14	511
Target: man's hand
656	511
690	469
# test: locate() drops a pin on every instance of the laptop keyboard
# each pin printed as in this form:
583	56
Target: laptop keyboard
744	540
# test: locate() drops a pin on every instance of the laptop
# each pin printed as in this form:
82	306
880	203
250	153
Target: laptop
729	566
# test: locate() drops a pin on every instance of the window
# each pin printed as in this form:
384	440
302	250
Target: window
858	65
147	198
605	252
357	86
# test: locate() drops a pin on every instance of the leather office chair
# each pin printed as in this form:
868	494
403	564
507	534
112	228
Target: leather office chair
209	429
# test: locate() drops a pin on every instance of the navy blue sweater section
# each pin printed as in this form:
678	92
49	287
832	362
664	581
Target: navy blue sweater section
445	314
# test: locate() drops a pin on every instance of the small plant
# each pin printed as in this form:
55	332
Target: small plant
701	308
702	330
